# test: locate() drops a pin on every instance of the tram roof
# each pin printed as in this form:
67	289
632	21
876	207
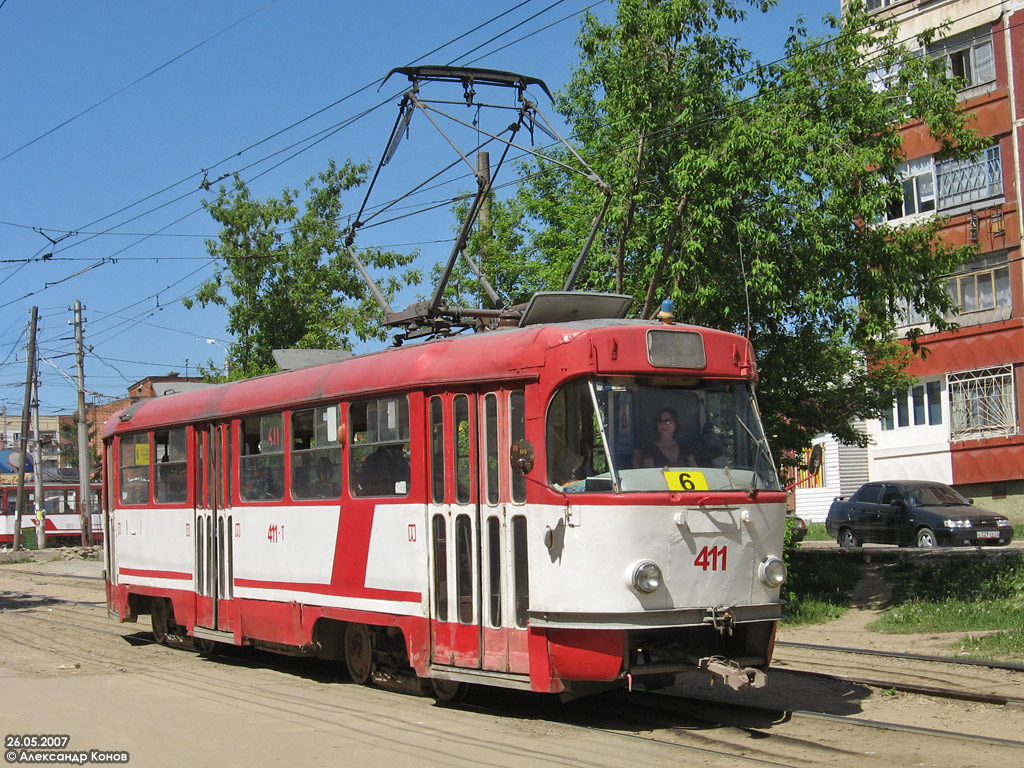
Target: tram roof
512	354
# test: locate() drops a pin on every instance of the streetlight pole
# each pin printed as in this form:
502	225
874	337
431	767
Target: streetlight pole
227	356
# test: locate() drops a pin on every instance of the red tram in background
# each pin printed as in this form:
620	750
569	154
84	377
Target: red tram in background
464	510
60	507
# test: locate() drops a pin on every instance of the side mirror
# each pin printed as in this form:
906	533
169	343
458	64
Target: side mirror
521	457
815	463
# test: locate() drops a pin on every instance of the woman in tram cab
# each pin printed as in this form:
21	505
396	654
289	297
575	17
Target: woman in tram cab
665	451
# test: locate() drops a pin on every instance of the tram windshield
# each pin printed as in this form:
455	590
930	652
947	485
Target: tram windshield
656	433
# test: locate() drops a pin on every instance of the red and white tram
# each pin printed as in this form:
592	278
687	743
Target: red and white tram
464	510
60	509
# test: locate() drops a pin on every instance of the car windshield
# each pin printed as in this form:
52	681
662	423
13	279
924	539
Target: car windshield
932	495
664	433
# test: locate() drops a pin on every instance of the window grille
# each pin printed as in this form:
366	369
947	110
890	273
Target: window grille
982	403
974	178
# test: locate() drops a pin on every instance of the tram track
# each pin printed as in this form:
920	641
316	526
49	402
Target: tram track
903	655
242	679
996	683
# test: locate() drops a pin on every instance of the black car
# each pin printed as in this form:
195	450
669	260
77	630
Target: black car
799	527
914	513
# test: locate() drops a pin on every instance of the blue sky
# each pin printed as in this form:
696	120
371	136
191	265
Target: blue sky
112	111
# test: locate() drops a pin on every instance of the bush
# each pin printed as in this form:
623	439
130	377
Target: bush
819	587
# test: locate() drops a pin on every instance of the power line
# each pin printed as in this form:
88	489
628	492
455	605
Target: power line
136	81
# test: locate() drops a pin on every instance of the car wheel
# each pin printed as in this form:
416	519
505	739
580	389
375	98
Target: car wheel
847	540
926	537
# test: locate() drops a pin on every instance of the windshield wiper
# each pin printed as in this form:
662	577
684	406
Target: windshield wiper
603	430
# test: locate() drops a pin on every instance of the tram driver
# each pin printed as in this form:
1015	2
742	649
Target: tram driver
665	451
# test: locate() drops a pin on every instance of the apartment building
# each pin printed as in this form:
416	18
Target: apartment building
960	422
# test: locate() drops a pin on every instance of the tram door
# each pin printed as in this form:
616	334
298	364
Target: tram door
454	526
502	547
214	549
474	520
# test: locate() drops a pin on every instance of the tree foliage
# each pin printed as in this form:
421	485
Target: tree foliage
742	192
68	446
284	275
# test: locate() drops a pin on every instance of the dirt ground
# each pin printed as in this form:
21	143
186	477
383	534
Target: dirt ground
77	675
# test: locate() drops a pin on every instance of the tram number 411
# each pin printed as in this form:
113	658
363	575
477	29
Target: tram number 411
275	533
709	558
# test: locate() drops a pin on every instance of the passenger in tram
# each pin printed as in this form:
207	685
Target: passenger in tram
385	472
665	451
328	480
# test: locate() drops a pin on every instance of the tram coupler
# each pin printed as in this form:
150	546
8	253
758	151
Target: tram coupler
721	619
732	674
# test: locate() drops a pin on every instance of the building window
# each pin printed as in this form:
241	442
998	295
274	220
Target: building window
919	406
981	403
877	5
983	284
971	179
968	57
918	180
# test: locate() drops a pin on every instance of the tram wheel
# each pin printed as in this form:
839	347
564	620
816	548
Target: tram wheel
448	691
158	617
358	653
204	646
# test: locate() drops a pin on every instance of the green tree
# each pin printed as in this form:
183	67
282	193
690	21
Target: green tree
284	275
741	192
68	448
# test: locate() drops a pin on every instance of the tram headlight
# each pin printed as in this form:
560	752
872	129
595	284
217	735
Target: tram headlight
772	572
646	576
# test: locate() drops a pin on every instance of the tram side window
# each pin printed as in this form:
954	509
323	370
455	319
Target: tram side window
56	502
464	568
133	456
316	453
379	447
521	570
436	450
261	465
491	446
171	466
463	440
440	568
517	431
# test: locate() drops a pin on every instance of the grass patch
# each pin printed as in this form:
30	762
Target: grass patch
15	557
968	577
817	532
915	616
956	594
818	588
999	645
1018	530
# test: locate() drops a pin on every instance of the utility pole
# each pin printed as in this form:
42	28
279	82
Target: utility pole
37	464
483	219
20	508
84	490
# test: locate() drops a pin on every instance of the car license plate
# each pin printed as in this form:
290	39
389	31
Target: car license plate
988	534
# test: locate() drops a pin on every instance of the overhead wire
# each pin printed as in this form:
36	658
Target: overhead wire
676	128
136	81
329	131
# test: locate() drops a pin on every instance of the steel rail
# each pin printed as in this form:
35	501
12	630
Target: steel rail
904	655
